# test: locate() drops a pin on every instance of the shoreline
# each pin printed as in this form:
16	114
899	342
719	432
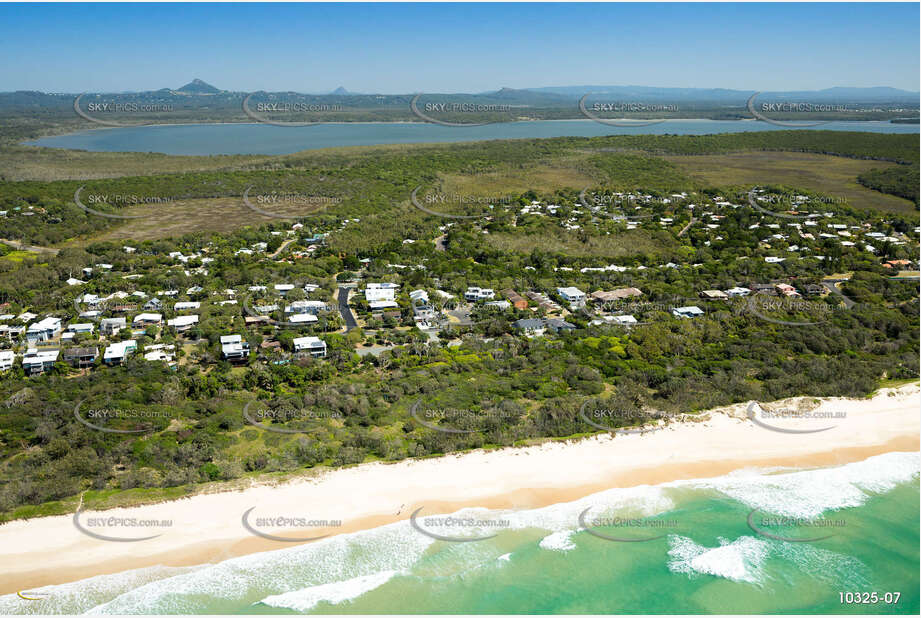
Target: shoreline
207	527
32	142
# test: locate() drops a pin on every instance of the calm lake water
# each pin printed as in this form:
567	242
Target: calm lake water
215	139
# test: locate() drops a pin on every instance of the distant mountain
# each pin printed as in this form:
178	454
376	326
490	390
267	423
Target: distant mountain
197	86
340	90
728	96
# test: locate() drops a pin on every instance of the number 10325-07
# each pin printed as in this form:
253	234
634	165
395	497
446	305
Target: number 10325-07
869	598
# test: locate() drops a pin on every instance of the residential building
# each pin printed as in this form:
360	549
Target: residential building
381	292
117	352
35	362
787	289
518	302
182	323
302	318
148	319
45	330
714	295
315	346
85	328
738	291
307	306
618	294
6	359
687	312
111	326
557	325
233	348
475	294
532	327
572	295
81	357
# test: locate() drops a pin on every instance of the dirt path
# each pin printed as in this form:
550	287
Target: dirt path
15	244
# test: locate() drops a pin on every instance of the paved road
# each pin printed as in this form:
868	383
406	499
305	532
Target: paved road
345	310
15	244
282	247
687	227
831	286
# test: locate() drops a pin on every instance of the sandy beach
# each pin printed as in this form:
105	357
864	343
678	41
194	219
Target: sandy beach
209	527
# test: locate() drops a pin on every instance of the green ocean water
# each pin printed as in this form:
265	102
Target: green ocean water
698	554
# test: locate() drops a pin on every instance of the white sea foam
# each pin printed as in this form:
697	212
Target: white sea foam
335	593
82	595
398	548
809	493
250	578
505	557
740	560
558	541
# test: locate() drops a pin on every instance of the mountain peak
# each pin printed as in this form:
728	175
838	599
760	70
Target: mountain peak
197	86
340	90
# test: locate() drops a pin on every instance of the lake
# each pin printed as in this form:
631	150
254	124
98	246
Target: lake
217	139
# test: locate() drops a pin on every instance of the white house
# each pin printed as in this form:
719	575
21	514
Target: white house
116	353
302	318
381	291
148	319
44	330
186	305
233	348
35	362
112	326
572	295
85	328
183	323
306	306
314	345
738	291
6	360
687	312
474	294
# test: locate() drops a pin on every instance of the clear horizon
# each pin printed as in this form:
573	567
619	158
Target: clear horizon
404	48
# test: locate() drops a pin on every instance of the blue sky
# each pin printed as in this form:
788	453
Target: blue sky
399	48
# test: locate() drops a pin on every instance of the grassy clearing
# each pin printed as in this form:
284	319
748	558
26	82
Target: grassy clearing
833	176
629	243
546	177
174	219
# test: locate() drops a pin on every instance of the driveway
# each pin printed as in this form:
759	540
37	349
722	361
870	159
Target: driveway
345	310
